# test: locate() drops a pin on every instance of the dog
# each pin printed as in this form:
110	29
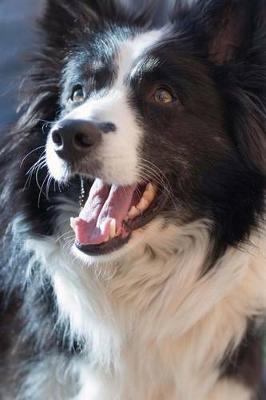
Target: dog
133	204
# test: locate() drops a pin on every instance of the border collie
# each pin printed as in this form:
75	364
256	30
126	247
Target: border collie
132	206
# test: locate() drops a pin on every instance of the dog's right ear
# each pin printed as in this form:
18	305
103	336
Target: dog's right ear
63	20
63	25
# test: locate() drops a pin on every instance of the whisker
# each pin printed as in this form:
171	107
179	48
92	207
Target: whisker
68	245
48	185
64	235
46	121
37	175
31	171
41	192
27	155
150	170
41	159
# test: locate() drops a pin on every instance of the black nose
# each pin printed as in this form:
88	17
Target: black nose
73	139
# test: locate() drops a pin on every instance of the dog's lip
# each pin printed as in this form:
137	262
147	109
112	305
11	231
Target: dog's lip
104	248
131	226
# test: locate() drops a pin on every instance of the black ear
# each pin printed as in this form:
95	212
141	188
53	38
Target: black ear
67	18
63	24
237	42
236	31
230	32
232	36
221	26
225	26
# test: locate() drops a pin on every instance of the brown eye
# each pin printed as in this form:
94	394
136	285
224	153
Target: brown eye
163	96
78	94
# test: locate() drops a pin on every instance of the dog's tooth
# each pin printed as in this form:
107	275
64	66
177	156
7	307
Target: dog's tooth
133	212
151	188
150	192
148	195
143	204
148	186
112	228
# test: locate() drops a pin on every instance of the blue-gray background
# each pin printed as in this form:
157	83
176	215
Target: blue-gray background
17	38
17	19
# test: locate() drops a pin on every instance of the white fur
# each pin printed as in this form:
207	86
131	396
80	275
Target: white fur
228	389
118	152
52	379
154	327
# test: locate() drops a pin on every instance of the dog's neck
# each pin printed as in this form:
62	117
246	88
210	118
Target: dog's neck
159	282
155	301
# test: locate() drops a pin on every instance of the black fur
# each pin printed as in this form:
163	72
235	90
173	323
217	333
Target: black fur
246	363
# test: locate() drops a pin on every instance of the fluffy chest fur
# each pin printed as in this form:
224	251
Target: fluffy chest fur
152	327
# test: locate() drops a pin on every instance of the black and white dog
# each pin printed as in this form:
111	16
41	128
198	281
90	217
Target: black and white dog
132	206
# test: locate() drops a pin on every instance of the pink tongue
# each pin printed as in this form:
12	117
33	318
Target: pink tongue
104	204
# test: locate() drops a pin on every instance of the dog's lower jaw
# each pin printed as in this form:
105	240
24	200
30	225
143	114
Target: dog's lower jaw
153	327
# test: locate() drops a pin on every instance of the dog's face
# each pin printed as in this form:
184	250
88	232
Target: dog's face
145	123
134	120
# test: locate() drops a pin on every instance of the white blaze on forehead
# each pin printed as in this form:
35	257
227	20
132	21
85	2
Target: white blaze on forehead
118	152
128	52
132	49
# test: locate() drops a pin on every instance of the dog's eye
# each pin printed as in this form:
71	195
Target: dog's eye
163	96
78	94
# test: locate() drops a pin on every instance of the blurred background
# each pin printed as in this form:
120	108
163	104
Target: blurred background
17	18
17	38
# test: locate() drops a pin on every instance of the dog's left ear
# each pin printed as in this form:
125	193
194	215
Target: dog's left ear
221	26
236	37
228	28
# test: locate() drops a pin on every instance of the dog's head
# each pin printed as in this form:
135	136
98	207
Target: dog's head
160	124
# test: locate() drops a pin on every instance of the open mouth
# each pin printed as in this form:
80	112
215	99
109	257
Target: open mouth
111	213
